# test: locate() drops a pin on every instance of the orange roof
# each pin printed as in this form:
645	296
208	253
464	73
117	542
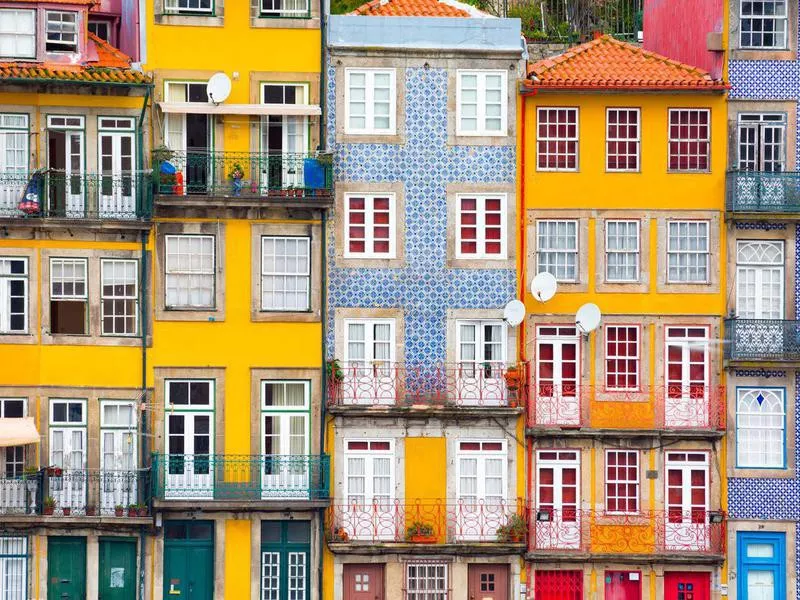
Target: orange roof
77	2
110	66
606	63
409	8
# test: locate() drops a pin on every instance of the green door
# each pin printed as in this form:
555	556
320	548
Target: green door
117	569
188	560
66	568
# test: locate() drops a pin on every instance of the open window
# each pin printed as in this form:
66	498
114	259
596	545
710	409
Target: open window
68	296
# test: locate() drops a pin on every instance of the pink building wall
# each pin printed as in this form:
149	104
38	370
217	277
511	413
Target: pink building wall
679	29
127	13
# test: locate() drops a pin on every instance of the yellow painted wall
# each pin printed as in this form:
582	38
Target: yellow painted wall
426	468
237	558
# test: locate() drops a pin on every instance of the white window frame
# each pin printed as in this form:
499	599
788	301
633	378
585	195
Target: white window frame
481	226
113	298
174	7
624	140
481	457
635	252
298	276
369	102
369	340
481	103
14	567
480	342
636	482
14	138
284	12
760	425
369	226
67	422
784	21
5	294
678	253
685	342
680	140
17	34
574	252
758	267
369	471
759	123
64	261
5	399
566	139
118	404
188	274
638	358
422	588
284	415
60	32
190	407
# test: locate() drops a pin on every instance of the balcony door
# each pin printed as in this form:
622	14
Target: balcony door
687	492
557	514
65	161
761	145
13	488
370	373
558	368
370	513
481	363
686	404
285	439
190	439
482	483
118	455
14	157
67	484
284	138
189	136
116	152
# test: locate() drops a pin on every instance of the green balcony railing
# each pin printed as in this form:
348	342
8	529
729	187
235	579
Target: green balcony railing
242	174
240	477
762	340
763	192
56	194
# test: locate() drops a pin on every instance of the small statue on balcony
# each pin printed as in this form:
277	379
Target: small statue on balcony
237	175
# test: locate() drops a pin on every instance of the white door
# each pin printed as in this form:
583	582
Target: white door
370	374
190	470
118	455
481	363
482	483
370	512
557	516
285	440
117	193
68	453
72	174
14	158
558	367
284	139
686	402
687	492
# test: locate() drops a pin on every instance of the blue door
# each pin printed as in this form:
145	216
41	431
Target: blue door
761	565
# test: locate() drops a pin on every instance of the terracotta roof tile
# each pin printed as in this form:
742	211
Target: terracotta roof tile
111	66
409	8
607	63
76	2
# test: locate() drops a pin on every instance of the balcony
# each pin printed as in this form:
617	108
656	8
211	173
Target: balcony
681	536
665	408
458	386
762	340
761	193
243	177
240	478
84	196
425	523
75	493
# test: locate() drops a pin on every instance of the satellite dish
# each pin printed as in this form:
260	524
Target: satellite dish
218	88
588	317
514	313
544	286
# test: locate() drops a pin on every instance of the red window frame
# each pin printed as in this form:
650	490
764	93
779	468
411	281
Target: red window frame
689	139
618	364
622	481
557	138
369	225
692	385
623	135
481	229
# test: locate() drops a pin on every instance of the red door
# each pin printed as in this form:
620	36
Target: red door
363	582
623	585
488	582
558	585
687	586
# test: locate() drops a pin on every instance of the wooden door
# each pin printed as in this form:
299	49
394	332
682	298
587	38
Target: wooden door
488	582
623	585
363	582
687	586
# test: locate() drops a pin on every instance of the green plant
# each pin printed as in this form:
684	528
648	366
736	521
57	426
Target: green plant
418	528
30	471
333	369
514	529
236	172
49	502
162	153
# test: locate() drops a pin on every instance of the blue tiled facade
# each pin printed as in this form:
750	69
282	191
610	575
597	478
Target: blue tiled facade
425	287
771	498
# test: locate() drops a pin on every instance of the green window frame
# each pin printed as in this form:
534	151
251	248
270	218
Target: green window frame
285	560
14	567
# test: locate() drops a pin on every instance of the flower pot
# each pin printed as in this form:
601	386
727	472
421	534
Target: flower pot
118	512
48	510
67	511
419	538
91	511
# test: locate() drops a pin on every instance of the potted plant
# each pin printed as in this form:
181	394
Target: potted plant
91	510
133	510
340	535
513	531
31	477
513	377
335	375
54	471
142	508
420	533
49	505
118	510
237	174
66	510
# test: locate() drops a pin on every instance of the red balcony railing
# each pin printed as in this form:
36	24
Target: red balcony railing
428	521
651	407
648	532
467	384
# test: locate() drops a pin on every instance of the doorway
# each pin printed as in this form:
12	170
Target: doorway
687	586
488	582
66	568
363	582
623	585
189	560
117	580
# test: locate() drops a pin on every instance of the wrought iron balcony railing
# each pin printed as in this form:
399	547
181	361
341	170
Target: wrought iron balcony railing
59	195
464	384
75	492
428	521
691	533
763	192
762	340
673	407
243	174
240	477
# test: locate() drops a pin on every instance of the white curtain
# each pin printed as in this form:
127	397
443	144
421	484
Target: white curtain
356	479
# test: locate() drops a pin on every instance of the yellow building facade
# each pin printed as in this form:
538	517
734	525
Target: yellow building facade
622	176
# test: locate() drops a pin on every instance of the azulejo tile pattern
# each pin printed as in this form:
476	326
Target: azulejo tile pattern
425	288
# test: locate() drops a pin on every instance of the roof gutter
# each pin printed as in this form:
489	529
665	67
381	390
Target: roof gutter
75	82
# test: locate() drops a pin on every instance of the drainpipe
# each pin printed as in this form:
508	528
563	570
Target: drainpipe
144	443
323	27
323	404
